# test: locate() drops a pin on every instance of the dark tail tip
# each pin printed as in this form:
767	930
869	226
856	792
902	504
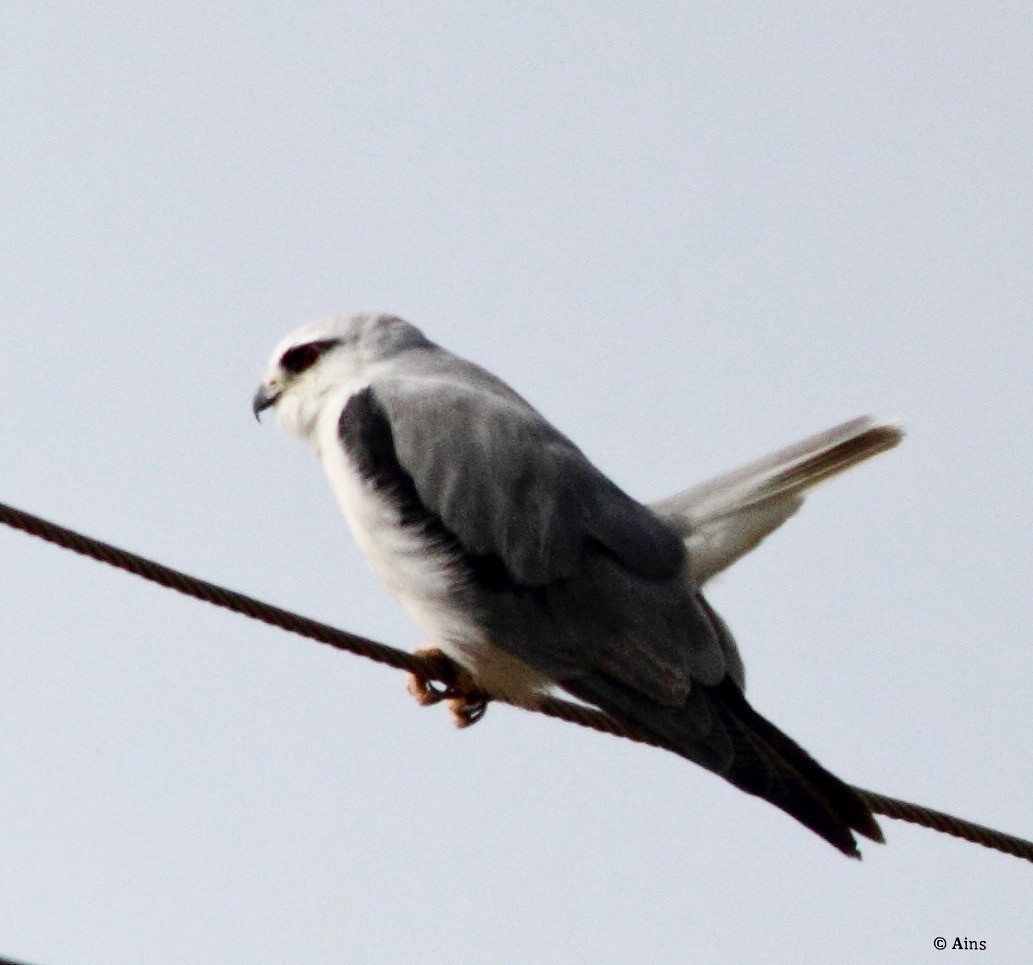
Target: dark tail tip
798	784
867	825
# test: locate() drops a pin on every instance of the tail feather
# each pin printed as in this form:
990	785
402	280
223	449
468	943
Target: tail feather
725	518
719	730
794	766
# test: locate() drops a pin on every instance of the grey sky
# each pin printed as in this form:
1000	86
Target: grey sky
689	233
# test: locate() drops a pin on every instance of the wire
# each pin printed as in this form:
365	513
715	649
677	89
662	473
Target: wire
432	669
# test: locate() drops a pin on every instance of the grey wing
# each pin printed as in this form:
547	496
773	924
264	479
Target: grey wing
725	518
594	580
595	595
506	483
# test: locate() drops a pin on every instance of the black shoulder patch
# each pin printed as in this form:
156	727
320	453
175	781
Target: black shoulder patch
365	432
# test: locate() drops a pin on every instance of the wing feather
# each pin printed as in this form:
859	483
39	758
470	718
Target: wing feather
596	594
594	579
505	482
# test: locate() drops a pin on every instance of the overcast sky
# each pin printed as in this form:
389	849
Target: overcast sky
689	234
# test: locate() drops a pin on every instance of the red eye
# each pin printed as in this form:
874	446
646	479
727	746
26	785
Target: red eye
300	357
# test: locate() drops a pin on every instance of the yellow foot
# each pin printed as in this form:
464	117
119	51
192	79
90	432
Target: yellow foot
466	701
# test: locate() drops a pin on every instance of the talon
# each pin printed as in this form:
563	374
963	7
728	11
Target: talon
469	708
466	702
428	692
424	690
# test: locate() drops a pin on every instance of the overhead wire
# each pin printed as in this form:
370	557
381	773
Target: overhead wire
432	669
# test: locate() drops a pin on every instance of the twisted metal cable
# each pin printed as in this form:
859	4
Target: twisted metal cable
433	669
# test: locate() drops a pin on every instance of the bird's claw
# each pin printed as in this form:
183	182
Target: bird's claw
425	692
469	708
466	702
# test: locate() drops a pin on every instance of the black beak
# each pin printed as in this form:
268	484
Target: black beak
264	398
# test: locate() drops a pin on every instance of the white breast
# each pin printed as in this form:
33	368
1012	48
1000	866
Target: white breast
421	576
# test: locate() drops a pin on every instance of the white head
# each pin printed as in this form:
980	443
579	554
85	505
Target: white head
324	358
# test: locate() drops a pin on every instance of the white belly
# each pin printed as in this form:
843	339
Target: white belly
423	579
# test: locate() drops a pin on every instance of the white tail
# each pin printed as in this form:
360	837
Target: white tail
722	520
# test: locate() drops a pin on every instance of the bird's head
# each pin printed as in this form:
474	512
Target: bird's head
328	358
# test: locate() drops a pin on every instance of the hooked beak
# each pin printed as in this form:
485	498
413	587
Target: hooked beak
264	398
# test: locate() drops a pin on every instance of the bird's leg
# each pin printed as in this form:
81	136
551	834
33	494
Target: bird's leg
466	701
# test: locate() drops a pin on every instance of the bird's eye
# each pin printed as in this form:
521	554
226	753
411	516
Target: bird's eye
301	357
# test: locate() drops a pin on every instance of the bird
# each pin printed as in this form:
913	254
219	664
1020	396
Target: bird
530	570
